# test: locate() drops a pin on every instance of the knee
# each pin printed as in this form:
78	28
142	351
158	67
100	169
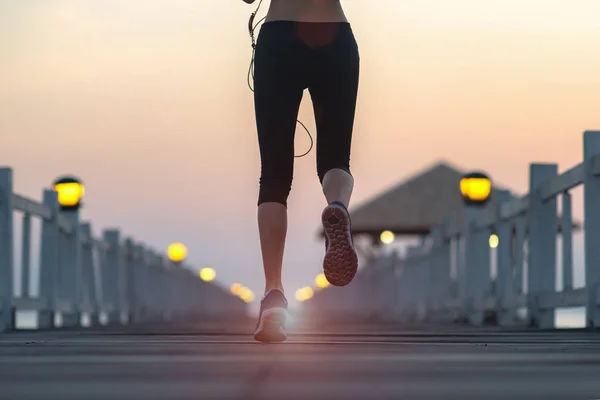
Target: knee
274	189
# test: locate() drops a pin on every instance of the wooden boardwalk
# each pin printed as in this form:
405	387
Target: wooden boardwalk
379	363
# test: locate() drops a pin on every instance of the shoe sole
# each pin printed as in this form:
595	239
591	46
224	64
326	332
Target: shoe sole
271	327
341	262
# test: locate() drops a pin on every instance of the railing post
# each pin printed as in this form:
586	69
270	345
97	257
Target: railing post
430	275
6	250
166	293
164	287
416	282
124	279
445	273
401	297
477	267
170	290
464	269
542	245
88	297
181	285
159	279
111	281
175	287
129	257
71	271
505	287
389	282
374	288
461	272
146	281
138	277
567	241
439	271
519	252
591	199
385	284
49	261
194	284
155	288
26	255
424	280
152	289
141	283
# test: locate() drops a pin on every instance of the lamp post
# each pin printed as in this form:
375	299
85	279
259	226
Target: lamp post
245	294
387	237
207	274
321	281
494	241
476	191
305	293
177	252
235	289
70	192
242	292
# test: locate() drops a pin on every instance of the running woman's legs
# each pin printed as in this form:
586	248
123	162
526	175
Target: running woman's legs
333	87
292	56
278	87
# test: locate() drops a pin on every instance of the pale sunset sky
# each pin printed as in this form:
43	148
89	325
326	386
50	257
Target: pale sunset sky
147	102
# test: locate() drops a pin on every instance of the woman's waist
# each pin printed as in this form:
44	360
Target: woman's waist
306	11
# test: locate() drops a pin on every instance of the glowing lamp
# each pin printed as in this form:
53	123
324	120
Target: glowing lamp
321	281
207	274
235	289
177	252
476	188
387	237
246	294
70	192
494	241
304	294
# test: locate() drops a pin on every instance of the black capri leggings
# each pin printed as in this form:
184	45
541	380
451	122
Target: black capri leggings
290	57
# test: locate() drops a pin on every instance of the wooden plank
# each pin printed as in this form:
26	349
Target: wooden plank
32	207
568	298
513	208
30	303
562	183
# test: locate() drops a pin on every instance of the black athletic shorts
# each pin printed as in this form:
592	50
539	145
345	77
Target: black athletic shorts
290	57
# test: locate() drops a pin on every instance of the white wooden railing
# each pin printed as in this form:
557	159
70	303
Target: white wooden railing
108	279
448	276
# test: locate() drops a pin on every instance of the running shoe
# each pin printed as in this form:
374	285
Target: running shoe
272	318
341	261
